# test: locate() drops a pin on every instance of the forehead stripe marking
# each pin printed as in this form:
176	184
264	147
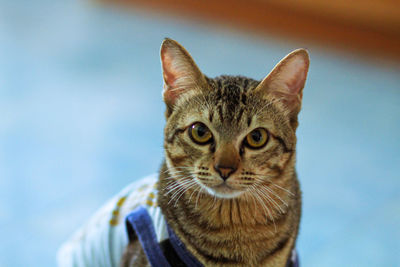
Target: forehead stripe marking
244	99
240	114
221	115
248	121
211	115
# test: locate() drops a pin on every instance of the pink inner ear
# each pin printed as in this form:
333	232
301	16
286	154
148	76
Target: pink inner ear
170	75
295	76
296	83
168	71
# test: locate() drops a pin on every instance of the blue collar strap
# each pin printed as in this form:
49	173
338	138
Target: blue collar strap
139	224
181	250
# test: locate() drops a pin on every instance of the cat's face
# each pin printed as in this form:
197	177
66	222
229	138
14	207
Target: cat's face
229	134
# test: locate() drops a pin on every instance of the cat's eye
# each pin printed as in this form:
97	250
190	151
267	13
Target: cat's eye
199	133
257	138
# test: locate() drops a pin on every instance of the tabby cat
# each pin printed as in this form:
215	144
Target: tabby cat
228	187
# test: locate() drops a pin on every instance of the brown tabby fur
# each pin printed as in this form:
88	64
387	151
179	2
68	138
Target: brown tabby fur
259	227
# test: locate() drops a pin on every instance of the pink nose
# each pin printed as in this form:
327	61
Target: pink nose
224	171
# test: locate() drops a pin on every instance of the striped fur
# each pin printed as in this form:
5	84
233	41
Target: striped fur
257	223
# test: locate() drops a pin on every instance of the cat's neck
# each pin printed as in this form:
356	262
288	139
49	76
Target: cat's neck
242	230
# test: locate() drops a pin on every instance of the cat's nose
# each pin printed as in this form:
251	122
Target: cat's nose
224	171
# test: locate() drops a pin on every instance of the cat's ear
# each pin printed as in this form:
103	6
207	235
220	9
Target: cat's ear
181	74
286	81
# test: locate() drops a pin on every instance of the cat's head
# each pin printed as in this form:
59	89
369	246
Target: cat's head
228	134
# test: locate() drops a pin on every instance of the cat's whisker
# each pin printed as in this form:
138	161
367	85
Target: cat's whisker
275	194
187	189
184	191
172	189
185	172
187	181
262	203
181	176
172	184
175	185
198	195
254	203
181	188
178	179
266	191
176	171
175	177
167	170
277	206
179	170
264	206
179	192
178	176
190	198
260	177
182	181
284	189
215	200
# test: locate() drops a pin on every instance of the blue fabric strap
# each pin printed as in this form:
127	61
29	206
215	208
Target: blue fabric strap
181	250
139	223
190	260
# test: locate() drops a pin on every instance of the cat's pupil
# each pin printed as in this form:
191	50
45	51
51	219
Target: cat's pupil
256	136
201	131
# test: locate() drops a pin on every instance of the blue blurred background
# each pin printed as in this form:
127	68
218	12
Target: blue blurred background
81	116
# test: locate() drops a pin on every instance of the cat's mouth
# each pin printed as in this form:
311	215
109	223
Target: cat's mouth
223	190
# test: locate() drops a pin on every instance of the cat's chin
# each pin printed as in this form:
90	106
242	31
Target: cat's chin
223	191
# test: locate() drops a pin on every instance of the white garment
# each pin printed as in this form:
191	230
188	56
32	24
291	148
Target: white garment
103	239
